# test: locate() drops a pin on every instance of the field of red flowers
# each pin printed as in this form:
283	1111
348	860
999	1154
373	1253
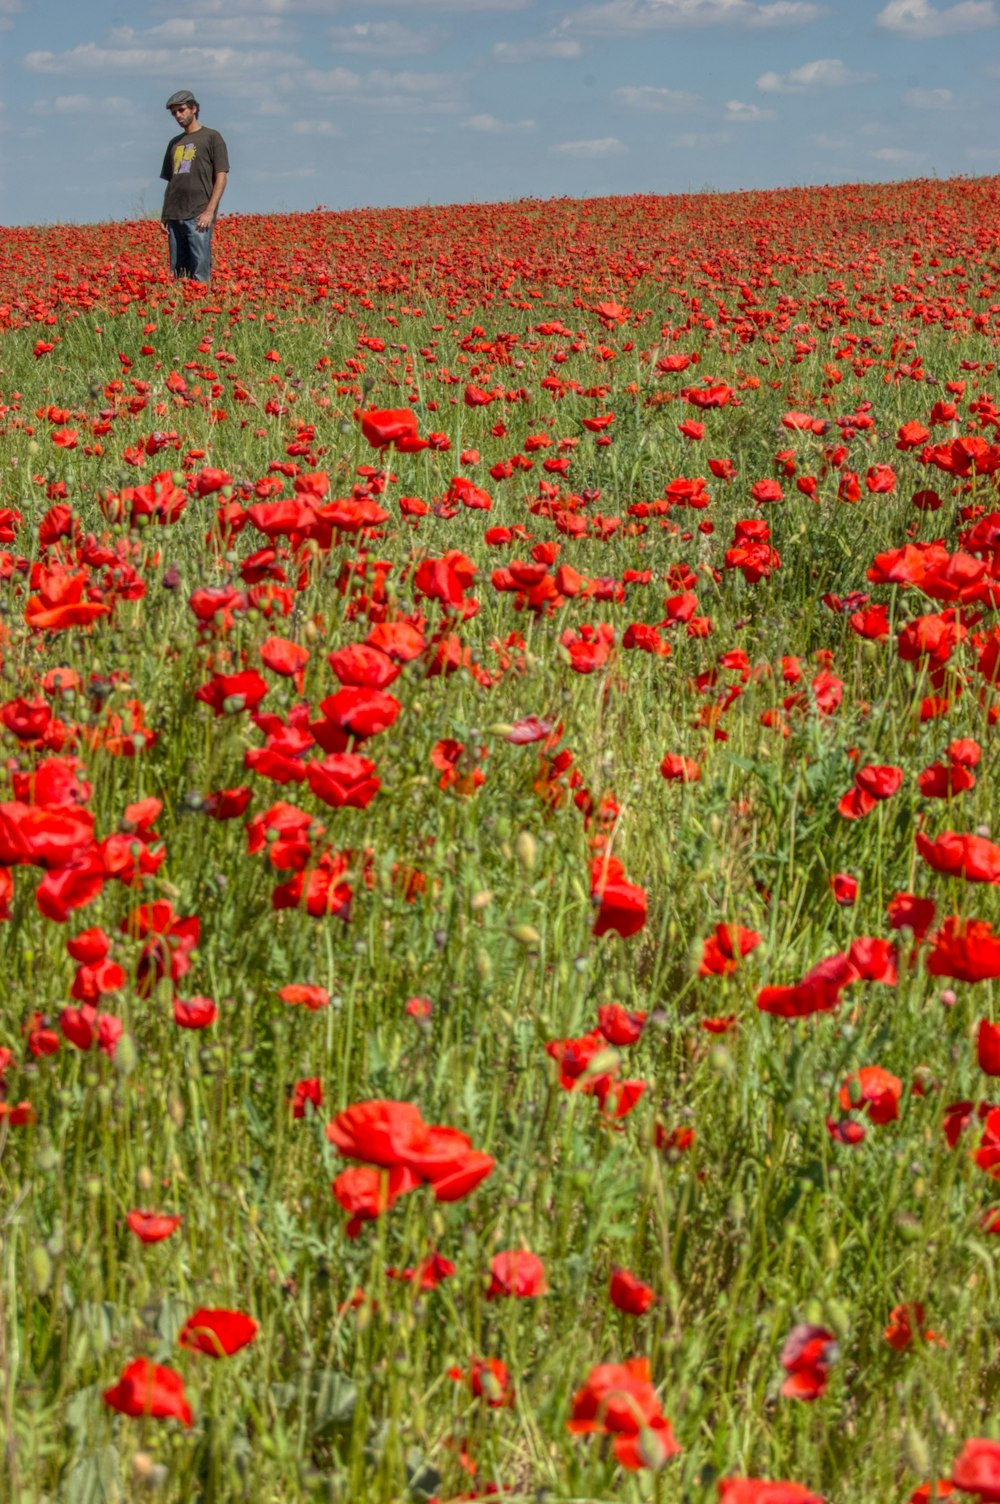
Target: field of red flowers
496	857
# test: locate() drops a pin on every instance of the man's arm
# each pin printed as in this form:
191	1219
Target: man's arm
206	219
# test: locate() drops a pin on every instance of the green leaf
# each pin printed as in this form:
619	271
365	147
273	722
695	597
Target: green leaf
335	1399
422	1479
92	1479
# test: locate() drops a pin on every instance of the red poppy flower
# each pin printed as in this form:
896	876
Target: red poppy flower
875	1090
284	657
428	1274
844	889
488	1379
354	711
229	694
846	1131
723	951
906	1322
227	804
309	996
146	1388
43	836
621	905
977	1470
965	949
945	780
399	640
195	1012
396	426
617	1098
463	1173
678	769
629	1294
366	1192
458	765
618	1025
873	959
988	1047
806	1357
378	1132
344	780
619	1400
965	752
307	1091
818	992
987	1156
759	1491
217	1332
972	857
152	1227
363	667
907	912
517	1272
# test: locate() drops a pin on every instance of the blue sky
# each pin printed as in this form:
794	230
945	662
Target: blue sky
396	102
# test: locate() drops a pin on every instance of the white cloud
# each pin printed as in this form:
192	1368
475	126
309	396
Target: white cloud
197	31
786	13
606	146
489	125
379	82
929	99
539	50
660	101
920	21
8	9
215	63
389	93
699	140
633	17
380	38
333	7
314	128
897	156
465	7
738	113
824	73
79	104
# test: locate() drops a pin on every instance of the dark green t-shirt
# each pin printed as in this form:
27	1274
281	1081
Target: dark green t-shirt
190	165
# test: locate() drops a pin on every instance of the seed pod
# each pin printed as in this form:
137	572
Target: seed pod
838	1318
916	1452
526	850
651	1449
126	1055
41	1269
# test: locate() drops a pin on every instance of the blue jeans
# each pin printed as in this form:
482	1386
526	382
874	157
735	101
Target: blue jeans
190	249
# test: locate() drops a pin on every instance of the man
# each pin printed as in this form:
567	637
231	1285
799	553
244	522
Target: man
196	168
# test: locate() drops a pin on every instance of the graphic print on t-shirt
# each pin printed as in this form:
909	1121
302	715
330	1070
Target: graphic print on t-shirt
184	155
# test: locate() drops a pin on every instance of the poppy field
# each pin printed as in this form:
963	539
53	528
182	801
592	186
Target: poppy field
499	895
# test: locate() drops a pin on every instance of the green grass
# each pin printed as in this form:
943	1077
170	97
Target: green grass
766	1221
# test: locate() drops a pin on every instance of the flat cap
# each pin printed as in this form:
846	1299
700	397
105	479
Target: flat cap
183	96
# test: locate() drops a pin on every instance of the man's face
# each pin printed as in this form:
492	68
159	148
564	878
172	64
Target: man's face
183	114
